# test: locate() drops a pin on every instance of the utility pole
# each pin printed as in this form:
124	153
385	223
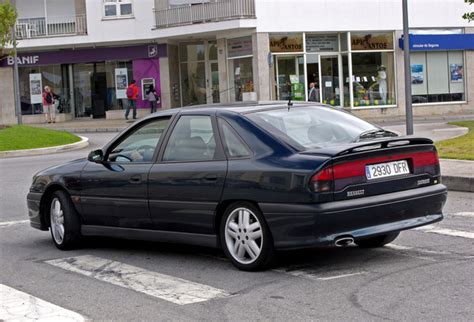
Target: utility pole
406	54
16	87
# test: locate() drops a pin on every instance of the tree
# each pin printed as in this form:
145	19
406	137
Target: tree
8	17
469	16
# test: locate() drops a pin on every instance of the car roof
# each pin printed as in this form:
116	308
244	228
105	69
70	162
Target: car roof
247	107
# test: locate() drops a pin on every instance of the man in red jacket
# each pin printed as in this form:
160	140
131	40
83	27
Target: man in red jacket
132	95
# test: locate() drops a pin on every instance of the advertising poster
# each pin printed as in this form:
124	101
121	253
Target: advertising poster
417	74
146	82
121	82
36	89
456	73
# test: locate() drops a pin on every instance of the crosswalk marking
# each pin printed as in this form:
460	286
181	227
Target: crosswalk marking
165	287
446	231
463	214
19	306
11	223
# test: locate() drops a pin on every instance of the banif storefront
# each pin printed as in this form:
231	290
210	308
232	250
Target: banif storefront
89	82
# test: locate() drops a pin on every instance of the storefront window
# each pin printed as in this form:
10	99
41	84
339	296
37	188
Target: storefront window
437	76
346	83
240	69
373	78
193	83
32	82
290	78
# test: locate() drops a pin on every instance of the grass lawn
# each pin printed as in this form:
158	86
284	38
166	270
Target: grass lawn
21	137
461	147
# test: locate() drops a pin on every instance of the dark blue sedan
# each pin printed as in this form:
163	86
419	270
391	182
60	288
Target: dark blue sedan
250	178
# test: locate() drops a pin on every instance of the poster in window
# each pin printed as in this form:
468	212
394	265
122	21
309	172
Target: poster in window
146	82
36	89
456	73
417	74
121	82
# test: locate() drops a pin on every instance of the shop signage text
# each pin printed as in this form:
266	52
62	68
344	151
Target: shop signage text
315	43
440	42
24	60
372	41
239	47
286	43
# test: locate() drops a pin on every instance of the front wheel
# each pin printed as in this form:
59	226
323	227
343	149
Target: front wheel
245	237
377	241
64	221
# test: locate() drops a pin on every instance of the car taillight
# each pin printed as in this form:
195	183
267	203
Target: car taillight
323	181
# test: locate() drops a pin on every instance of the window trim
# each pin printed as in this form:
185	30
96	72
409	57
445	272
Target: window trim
219	148
117	4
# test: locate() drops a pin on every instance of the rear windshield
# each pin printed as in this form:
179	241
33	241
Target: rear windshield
311	126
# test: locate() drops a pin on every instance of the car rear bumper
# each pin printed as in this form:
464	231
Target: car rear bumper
33	201
313	225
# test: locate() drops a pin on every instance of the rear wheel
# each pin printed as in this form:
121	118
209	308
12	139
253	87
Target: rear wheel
245	237
65	225
377	241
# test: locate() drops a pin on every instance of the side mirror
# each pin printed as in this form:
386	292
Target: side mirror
96	156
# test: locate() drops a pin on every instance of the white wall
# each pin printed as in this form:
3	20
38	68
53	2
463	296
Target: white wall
345	15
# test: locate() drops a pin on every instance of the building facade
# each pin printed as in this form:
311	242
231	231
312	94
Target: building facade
344	53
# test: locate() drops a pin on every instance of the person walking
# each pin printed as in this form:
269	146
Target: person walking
49	109
132	95
313	94
152	97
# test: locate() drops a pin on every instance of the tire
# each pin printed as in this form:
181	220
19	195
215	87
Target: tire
377	241
248	249
64	221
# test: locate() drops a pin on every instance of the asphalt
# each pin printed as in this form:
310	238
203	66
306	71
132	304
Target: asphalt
457	175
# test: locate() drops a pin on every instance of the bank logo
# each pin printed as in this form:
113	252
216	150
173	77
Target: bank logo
152	51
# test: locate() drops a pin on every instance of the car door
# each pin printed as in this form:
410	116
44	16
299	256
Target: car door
114	192
185	185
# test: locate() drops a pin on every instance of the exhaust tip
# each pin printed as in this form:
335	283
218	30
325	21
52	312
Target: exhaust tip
344	241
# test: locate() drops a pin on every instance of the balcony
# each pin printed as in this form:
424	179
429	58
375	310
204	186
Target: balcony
51	26
205	12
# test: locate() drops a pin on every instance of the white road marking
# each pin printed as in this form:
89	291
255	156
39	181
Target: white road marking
463	214
339	276
19	306
165	287
11	223
446	231
398	247
313	276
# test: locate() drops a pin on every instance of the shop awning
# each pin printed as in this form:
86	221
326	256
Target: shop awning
440	42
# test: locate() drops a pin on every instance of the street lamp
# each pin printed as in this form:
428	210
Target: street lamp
16	87
406	53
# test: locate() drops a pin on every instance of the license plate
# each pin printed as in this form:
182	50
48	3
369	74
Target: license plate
388	169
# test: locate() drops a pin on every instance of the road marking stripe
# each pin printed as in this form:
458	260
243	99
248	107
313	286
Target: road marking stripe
446	231
312	276
339	276
11	223
19	306
165	287
463	214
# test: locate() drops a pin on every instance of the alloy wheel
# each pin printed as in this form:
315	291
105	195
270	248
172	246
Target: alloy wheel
57	221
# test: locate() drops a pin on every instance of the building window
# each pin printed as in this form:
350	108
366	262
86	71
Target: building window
240	69
437	76
118	8
373	71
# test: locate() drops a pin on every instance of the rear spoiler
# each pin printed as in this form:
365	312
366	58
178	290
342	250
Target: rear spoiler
338	150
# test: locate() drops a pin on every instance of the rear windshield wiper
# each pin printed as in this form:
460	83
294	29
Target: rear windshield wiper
374	133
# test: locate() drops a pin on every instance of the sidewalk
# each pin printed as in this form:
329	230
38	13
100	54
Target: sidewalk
457	174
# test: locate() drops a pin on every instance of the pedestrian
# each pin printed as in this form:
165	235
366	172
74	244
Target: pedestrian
313	94
49	109
152	97
132	95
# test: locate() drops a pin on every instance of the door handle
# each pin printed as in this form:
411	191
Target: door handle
135	179
211	177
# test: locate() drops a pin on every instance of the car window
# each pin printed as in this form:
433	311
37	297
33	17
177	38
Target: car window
140	145
311	127
233	144
192	139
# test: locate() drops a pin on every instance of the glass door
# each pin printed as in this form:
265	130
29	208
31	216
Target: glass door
330	77
212	73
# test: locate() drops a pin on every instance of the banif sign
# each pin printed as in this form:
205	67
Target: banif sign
23	60
440	42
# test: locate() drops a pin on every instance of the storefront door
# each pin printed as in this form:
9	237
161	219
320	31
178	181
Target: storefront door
330	72
213	83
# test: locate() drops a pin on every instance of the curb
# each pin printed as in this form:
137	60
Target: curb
41	151
465	184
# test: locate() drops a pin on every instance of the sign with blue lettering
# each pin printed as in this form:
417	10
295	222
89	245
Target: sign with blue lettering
440	42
